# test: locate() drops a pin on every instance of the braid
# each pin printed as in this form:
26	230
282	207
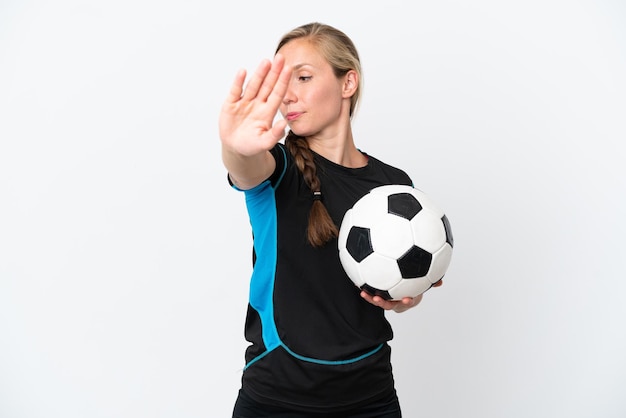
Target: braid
321	227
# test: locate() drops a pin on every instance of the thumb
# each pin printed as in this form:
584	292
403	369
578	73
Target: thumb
278	130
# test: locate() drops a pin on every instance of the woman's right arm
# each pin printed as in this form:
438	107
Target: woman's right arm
247	125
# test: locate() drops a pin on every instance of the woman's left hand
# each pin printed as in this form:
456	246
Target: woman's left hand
396	305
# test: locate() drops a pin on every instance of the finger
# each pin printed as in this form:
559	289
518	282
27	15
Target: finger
411	302
237	87
377	301
270	80
368	297
280	88
385	304
252	88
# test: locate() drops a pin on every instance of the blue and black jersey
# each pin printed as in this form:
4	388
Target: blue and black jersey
316	345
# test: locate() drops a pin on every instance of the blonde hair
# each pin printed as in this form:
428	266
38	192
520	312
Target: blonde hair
339	50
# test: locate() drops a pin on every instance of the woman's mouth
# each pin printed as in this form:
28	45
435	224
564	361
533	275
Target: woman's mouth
292	116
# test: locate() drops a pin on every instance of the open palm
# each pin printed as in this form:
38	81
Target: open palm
246	123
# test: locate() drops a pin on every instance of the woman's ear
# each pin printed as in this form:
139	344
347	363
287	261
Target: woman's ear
350	83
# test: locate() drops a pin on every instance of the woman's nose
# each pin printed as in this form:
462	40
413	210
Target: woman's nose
290	96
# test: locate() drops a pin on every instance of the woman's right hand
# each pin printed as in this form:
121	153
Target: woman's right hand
247	123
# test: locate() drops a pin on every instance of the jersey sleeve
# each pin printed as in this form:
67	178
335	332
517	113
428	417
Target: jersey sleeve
282	157
280	153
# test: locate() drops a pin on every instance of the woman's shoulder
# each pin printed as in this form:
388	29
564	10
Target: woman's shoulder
397	174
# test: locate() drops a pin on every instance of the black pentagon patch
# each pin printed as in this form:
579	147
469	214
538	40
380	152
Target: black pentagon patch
446	225
415	263
359	243
376	292
404	205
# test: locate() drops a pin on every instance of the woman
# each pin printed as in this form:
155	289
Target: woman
318	345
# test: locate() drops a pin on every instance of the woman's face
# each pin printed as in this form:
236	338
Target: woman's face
314	103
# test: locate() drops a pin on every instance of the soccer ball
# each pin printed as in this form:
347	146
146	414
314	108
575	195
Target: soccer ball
395	242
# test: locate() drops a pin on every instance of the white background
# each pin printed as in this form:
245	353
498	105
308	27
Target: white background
125	255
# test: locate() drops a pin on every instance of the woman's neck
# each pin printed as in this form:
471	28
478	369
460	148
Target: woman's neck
340	149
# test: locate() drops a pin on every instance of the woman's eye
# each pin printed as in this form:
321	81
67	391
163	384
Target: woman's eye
304	78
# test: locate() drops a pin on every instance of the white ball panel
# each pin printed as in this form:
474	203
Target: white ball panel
409	288
379	271
391	236
391	189
440	263
369	207
428	231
